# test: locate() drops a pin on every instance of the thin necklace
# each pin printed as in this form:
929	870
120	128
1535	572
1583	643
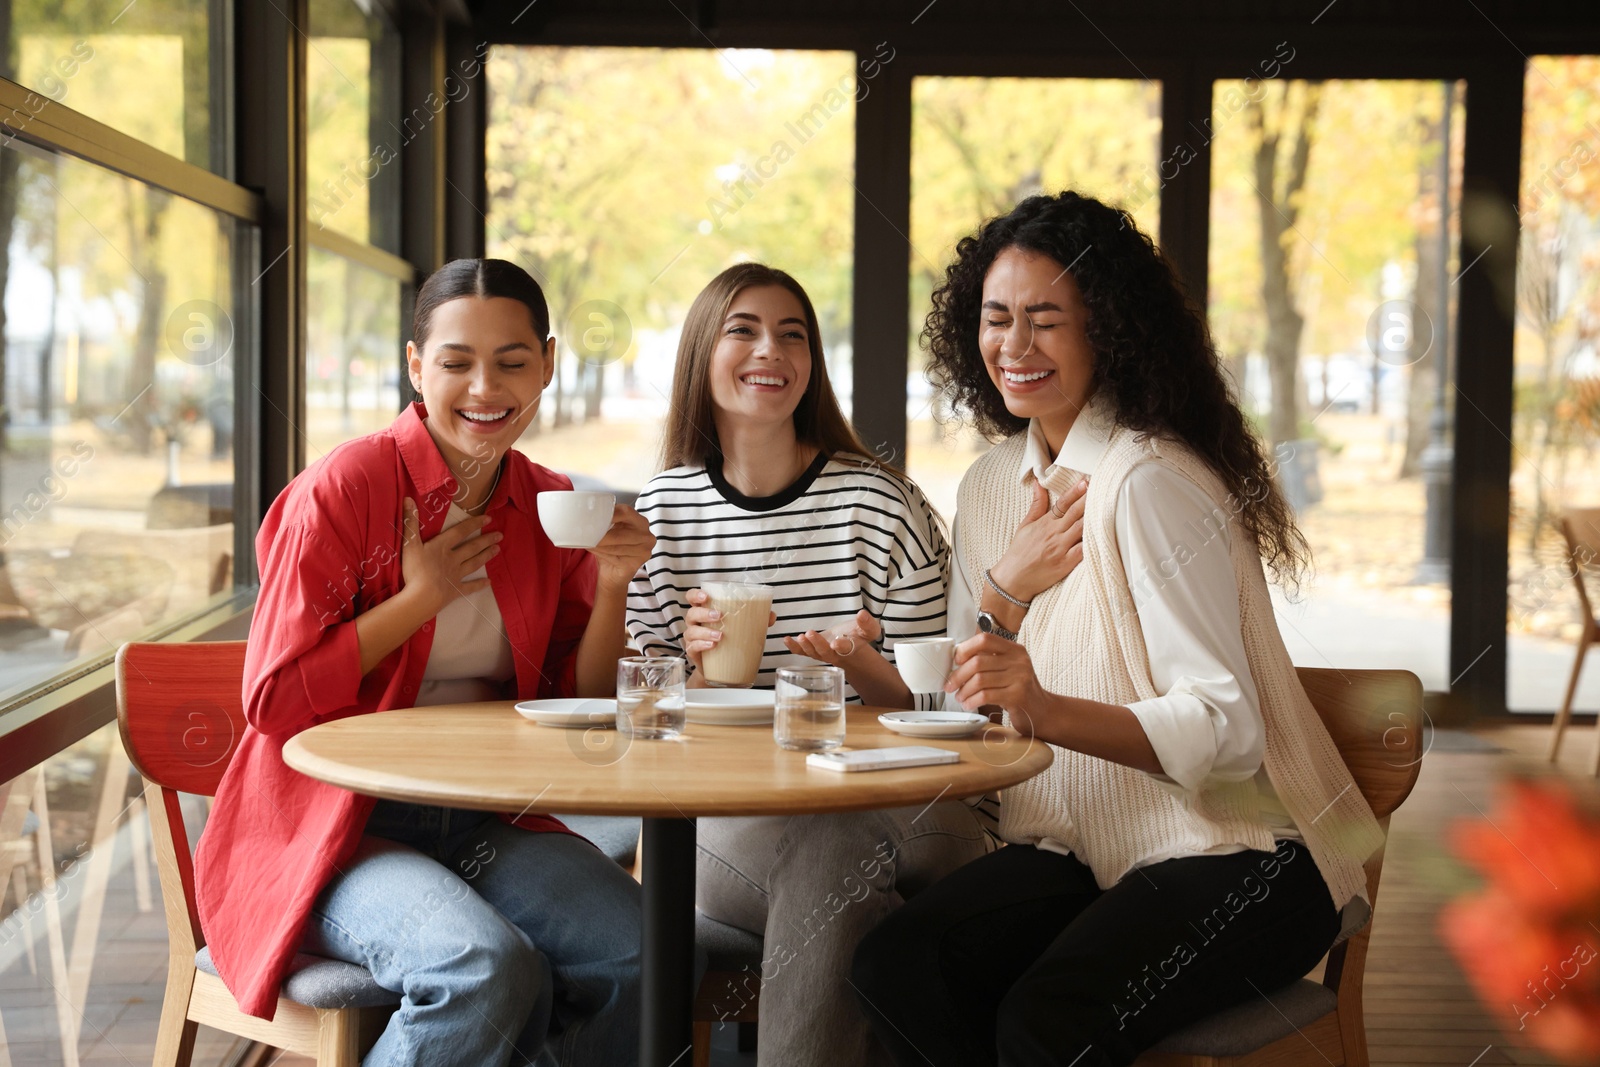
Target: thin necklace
474	509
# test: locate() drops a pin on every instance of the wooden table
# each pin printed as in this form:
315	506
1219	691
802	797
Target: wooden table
488	757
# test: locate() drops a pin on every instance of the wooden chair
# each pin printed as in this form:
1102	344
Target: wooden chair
1375	719
1581	528
180	710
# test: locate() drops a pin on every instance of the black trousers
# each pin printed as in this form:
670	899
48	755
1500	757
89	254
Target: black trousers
1020	959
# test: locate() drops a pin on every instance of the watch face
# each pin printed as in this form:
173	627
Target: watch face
986	622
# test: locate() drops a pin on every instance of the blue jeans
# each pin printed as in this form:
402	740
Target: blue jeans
507	947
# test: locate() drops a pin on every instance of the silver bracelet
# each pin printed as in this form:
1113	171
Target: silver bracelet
1003	594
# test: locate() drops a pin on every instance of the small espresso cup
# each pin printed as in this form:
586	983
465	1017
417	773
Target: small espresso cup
574	518
925	663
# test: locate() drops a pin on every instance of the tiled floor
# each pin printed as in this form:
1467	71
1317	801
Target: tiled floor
1419	1009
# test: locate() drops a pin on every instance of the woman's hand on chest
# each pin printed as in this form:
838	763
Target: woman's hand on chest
435	570
1047	546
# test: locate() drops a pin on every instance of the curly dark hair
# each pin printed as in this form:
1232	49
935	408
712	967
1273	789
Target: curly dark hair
1153	355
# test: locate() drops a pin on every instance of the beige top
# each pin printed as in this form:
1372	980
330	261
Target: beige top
1085	639
1206	723
471	657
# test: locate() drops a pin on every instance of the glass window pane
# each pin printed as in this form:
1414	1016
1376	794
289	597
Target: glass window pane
980	145
117	470
150	71
717	157
1326	275
353	131
83	936
1556	426
354	351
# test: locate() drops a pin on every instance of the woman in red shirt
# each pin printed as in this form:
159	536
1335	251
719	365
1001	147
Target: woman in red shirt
408	567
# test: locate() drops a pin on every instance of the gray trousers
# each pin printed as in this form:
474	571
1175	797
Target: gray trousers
813	886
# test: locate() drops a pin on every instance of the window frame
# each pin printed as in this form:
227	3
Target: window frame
1186	55
260	89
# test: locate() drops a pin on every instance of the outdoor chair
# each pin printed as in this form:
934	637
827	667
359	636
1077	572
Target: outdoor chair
1375	719
180	710
1581	528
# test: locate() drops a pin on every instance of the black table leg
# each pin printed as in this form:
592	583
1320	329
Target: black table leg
668	968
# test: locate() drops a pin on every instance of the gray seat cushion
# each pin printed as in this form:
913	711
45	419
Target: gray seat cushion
318	982
1254	1024
615	835
726	948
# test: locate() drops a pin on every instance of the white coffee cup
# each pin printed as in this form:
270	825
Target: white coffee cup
575	519
925	663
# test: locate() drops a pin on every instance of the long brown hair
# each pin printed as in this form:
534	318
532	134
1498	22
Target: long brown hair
691	437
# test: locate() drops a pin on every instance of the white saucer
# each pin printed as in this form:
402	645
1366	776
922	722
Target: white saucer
933	723
729	707
569	712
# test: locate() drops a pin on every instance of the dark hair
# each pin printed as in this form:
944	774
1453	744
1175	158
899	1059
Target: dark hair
691	436
481	278
1153	356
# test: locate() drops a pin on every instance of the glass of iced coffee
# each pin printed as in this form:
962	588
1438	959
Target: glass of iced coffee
734	661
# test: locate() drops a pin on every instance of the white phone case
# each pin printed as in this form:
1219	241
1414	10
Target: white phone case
882	759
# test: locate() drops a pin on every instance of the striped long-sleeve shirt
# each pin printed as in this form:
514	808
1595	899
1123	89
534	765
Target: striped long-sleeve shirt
846	535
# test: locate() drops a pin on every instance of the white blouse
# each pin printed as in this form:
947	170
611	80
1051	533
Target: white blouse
1207	723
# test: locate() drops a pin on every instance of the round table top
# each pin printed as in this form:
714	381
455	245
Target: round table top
486	756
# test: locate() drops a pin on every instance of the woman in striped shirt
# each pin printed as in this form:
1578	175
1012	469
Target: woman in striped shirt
766	482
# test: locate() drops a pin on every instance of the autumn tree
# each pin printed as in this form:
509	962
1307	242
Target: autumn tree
1558	288
1290	124
632	176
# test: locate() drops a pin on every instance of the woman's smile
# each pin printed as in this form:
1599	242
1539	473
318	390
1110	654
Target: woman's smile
764	382
486	420
1018	380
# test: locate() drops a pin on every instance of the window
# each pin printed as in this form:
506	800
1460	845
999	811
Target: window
153	70
354	351
1556	425
980	145
82	932
625	179
353	129
354	342
122	332
1326	275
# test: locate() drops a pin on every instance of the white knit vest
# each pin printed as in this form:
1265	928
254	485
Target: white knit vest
1084	639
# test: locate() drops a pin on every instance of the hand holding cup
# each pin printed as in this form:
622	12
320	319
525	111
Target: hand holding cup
704	630
624	548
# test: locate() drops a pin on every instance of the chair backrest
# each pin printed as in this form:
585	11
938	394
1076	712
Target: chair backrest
180	708
1581	528
1375	718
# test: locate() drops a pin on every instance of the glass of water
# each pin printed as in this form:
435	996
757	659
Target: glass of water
809	703
650	696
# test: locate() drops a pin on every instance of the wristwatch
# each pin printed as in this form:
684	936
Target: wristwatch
991	625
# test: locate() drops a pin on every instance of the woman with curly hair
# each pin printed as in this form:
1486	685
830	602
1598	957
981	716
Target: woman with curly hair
1198	840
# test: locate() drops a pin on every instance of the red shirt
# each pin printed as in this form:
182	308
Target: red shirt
328	550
